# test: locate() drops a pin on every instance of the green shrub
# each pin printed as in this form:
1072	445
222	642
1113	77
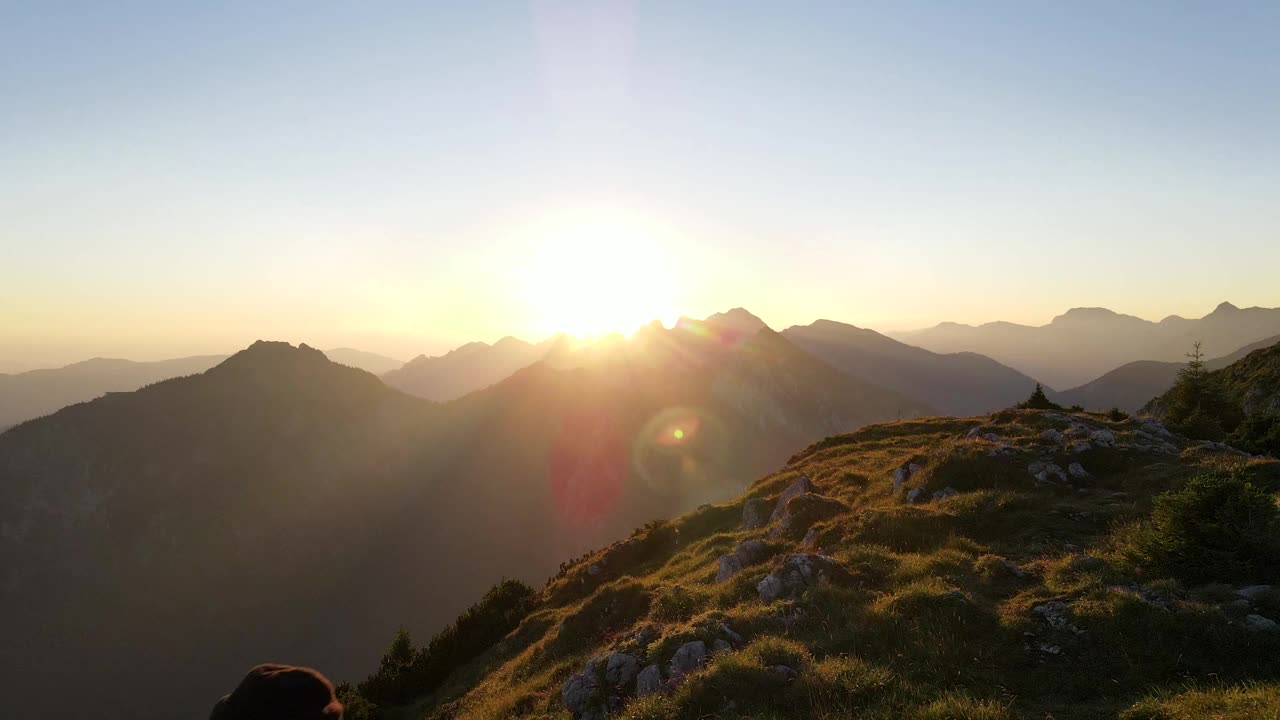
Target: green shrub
1258	434
1218	528
405	674
1039	401
1115	414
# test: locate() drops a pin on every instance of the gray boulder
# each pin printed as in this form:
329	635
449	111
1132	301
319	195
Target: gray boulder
1252	592
915	495
747	553
620	672
801	486
1053	436
1257	623
900	476
688	658
797	572
1077	471
720	646
1105	438
649	681
945	493
581	694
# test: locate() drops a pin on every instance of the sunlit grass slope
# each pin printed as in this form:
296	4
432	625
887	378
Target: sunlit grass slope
991	594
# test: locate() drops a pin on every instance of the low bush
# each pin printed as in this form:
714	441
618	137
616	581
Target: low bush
1217	528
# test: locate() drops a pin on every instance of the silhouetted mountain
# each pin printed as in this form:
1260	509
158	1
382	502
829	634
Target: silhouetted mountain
955	383
465	369
1251	383
1084	343
39	392
196	526
1132	385
367	361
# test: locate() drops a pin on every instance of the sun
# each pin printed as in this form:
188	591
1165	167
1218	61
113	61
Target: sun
598	272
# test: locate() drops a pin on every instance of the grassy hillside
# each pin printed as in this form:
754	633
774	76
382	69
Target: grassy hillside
976	590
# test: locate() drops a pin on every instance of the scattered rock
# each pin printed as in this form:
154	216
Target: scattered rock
899	477
797	572
1077	471
747	553
729	633
1056	614
688	658
1105	438
620	672
1080	446
753	513
803	510
913	468
1238	605
1252	592
720	646
974	432
581	693
786	672
801	486
915	495
1257	623
649	681
1052	435
991	437
810	540
945	493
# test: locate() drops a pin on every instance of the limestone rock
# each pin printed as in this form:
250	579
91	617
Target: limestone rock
1052	435
1077	470
747	553
1257	623
720	646
688	658
797	572
581	694
1105	438
801	486
649	681
805	509
620	672
915	495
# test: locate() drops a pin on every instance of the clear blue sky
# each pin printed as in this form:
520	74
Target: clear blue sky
185	177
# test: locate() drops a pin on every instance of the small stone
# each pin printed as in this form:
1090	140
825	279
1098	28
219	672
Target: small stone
915	495
913	468
945	493
991	437
899	477
729	633
974	432
1080	446
797	572
1077	471
1053	436
1257	623
786	672
1035	468
649	681
720	646
1055	613
1103	437
688	658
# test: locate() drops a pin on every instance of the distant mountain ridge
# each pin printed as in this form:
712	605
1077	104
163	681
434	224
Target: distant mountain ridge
1083	343
1132	385
955	383
465	369
34	393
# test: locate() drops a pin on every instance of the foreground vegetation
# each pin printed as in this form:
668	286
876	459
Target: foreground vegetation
997	580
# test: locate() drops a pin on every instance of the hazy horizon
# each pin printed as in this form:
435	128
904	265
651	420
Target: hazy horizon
404	180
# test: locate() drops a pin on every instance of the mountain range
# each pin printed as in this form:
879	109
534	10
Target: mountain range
1084	343
256	509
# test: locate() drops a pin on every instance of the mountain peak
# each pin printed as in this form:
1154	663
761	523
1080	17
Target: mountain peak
737	319
268	354
1224	308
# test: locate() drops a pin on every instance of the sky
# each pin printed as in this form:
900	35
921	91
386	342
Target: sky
180	178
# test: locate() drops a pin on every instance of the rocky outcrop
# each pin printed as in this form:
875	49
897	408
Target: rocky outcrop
798	572
800	486
688	658
803	510
747	553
